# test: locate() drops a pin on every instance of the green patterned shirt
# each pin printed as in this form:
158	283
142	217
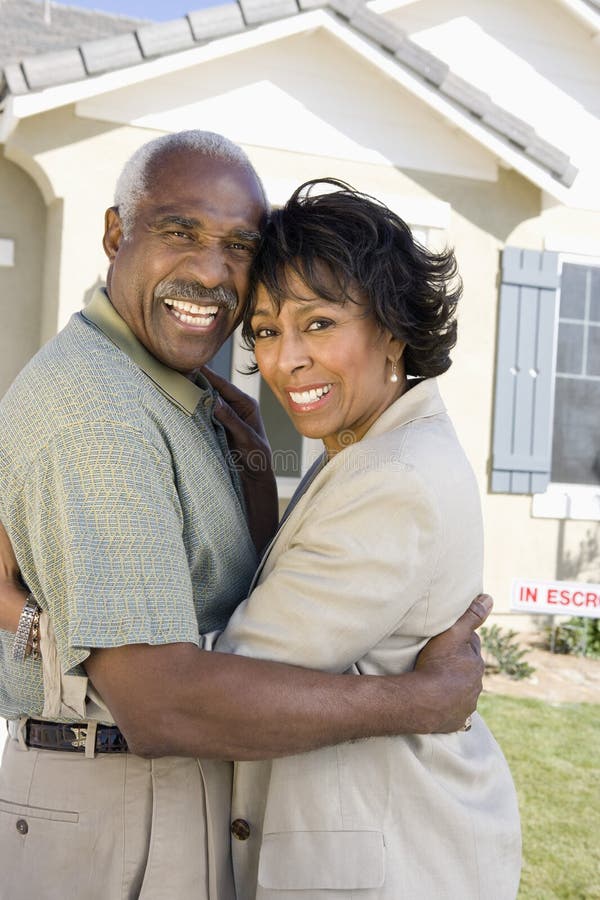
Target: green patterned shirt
127	522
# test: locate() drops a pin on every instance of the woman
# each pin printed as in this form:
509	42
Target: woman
381	548
350	320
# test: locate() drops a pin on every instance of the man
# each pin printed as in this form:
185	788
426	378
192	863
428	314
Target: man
128	524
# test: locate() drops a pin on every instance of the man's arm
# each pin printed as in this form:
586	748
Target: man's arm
178	700
181	701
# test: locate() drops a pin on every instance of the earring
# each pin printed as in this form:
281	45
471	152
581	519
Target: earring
394	375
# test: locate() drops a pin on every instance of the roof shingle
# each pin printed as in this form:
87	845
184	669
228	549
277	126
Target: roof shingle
23	31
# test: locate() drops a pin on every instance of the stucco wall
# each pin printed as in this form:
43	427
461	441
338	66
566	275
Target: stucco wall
75	162
22	220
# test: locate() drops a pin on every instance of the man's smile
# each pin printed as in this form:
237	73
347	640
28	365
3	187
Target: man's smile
191	313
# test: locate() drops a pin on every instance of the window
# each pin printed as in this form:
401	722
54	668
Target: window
576	438
547	404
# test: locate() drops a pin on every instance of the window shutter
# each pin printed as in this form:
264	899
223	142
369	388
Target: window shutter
221	363
525	371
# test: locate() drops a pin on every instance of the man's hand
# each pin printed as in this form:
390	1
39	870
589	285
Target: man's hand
453	665
12	592
250	453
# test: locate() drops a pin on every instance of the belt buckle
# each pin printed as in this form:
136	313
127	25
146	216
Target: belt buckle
80	736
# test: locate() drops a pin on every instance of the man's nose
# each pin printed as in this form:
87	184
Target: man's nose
207	264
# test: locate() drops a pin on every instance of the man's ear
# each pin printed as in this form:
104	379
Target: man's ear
113	232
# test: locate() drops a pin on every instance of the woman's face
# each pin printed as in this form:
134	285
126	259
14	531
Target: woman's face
328	364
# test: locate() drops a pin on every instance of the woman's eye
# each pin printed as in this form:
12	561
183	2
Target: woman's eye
263	333
319	324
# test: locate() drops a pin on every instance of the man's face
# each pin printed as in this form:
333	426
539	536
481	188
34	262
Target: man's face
180	276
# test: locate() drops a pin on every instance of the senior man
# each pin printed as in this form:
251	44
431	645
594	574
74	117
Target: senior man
129	524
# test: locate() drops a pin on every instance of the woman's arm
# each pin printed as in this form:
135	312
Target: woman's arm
12	592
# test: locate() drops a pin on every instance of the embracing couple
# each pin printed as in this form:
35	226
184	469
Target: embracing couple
154	645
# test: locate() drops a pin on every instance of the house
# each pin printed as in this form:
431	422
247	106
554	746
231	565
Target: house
476	120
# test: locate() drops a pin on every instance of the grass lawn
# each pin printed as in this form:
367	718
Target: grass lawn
554	755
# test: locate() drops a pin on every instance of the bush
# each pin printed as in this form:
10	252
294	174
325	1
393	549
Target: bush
507	654
576	635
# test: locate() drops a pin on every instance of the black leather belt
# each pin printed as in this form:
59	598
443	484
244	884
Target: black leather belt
71	737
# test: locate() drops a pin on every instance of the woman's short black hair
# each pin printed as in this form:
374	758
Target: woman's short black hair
342	239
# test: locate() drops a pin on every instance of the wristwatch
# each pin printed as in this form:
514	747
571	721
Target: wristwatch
28	616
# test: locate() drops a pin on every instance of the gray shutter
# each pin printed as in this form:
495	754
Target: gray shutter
222	361
525	371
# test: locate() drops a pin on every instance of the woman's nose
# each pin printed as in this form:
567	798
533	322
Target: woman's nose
293	352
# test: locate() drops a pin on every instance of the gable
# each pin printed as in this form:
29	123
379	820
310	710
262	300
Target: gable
336	107
100	66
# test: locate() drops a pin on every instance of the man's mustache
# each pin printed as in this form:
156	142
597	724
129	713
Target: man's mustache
196	293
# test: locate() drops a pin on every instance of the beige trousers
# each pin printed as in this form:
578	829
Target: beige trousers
113	827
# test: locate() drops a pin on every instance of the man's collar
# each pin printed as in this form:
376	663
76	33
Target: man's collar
175	386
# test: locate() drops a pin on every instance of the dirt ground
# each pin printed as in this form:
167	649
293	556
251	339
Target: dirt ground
558	678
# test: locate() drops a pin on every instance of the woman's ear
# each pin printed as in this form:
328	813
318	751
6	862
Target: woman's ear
113	232
395	349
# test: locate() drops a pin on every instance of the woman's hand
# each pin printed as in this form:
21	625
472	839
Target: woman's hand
12	592
250	454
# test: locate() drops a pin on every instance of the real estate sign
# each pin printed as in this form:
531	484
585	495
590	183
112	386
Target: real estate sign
565	598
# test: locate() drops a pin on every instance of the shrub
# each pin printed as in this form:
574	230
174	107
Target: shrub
576	635
507	654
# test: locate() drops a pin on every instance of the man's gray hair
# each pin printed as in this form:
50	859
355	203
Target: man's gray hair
132	184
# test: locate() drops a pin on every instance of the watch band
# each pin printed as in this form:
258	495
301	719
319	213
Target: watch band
28	616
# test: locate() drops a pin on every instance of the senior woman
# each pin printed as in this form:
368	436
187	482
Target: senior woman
350	321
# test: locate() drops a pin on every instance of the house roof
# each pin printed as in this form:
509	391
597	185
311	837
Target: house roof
24	30
131	44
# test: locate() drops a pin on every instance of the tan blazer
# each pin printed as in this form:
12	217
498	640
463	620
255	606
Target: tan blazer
382	550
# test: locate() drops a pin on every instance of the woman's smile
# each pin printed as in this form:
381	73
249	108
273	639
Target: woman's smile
310	397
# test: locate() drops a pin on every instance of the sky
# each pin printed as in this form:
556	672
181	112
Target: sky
158	10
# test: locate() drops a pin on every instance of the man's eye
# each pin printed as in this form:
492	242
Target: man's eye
180	234
319	324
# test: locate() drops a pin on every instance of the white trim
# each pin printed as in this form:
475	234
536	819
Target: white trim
7	252
584	13
240	360
286	487
312	449
384	6
568	501
573	248
33	103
